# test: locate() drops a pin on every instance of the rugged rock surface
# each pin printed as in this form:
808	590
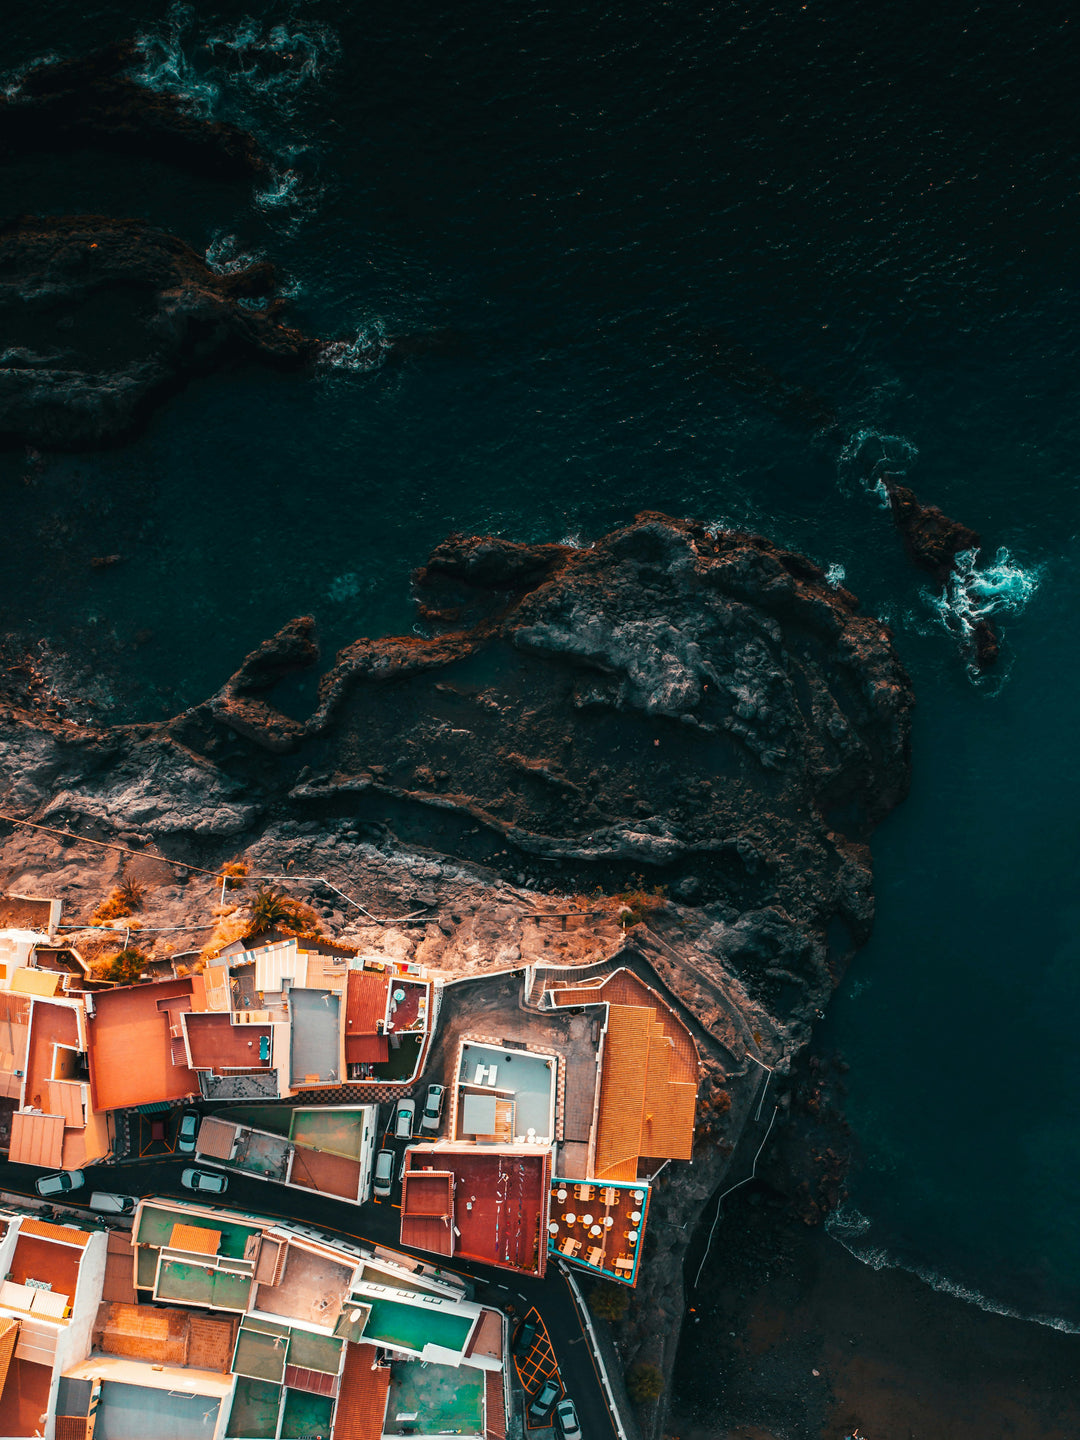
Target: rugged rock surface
669	709
91	100
102	317
933	541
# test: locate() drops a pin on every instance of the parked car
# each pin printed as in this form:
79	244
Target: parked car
61	1183
403	1120
106	1203
566	1421
187	1132
384	1173
206	1182
539	1408
524	1336
432	1115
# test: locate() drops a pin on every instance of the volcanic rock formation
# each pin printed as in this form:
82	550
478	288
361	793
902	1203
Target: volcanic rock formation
101	317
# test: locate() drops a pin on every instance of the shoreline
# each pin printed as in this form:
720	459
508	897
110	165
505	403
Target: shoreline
793	1338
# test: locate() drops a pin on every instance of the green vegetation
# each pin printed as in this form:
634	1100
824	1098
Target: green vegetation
607	1301
127	966
638	902
275	910
645	1383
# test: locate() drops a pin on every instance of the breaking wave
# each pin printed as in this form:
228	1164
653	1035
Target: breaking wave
253	61
835	575
848	1226
224	256
11	81
869	456
1002	587
368	351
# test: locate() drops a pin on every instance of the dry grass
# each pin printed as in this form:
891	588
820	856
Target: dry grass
120	903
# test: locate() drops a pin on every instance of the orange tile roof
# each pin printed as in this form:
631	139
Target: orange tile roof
195	1240
494	1406
361	1405
70	1427
65	1097
622	1092
37	1140
9	1333
644	1111
67	1234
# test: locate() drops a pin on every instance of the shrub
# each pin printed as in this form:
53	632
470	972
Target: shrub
608	1302
126	966
638	902
121	903
274	910
234	873
645	1383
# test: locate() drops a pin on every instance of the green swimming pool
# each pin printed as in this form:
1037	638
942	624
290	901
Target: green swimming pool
415	1327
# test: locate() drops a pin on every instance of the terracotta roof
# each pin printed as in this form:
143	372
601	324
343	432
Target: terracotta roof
361	1405
119	1269
211	1341
216	1138
195	1240
142	1332
70	1427
65	1097
494	1406
9	1333
365	1004
67	1234
622	1092
37	1140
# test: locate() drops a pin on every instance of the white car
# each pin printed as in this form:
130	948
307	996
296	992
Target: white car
61	1183
384	1173
432	1112
403	1120
206	1182
566	1421
187	1132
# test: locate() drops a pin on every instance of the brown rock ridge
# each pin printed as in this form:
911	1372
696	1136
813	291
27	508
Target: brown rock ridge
102	317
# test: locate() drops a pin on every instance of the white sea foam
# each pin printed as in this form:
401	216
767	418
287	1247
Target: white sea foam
368	351
869	456
224	256
971	594
835	575
849	1227
11	81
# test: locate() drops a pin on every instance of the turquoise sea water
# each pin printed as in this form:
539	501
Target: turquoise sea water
643	227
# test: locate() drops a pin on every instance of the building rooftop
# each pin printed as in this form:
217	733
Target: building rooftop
313	1288
366	1003
617	1213
500	1201
217	1044
427	1210
135	1059
37	1140
315	1039
164	1336
362	1399
51	1026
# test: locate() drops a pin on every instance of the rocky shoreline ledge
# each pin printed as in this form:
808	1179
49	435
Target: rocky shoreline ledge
683	738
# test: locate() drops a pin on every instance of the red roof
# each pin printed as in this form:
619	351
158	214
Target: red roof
361	1404
427	1210
501	1200
365	1005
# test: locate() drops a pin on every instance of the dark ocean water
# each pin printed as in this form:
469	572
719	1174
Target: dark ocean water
643	227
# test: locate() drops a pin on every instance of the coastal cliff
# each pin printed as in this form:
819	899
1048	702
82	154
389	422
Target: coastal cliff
684	737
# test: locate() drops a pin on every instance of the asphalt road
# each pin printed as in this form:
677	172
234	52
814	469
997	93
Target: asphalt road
375	1223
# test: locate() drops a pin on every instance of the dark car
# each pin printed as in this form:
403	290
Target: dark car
539	1408
566	1421
524	1336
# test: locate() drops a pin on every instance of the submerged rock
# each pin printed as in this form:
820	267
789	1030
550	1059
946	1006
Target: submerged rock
90	100
103	317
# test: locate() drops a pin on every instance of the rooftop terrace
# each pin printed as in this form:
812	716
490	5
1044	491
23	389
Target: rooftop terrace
131	1050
